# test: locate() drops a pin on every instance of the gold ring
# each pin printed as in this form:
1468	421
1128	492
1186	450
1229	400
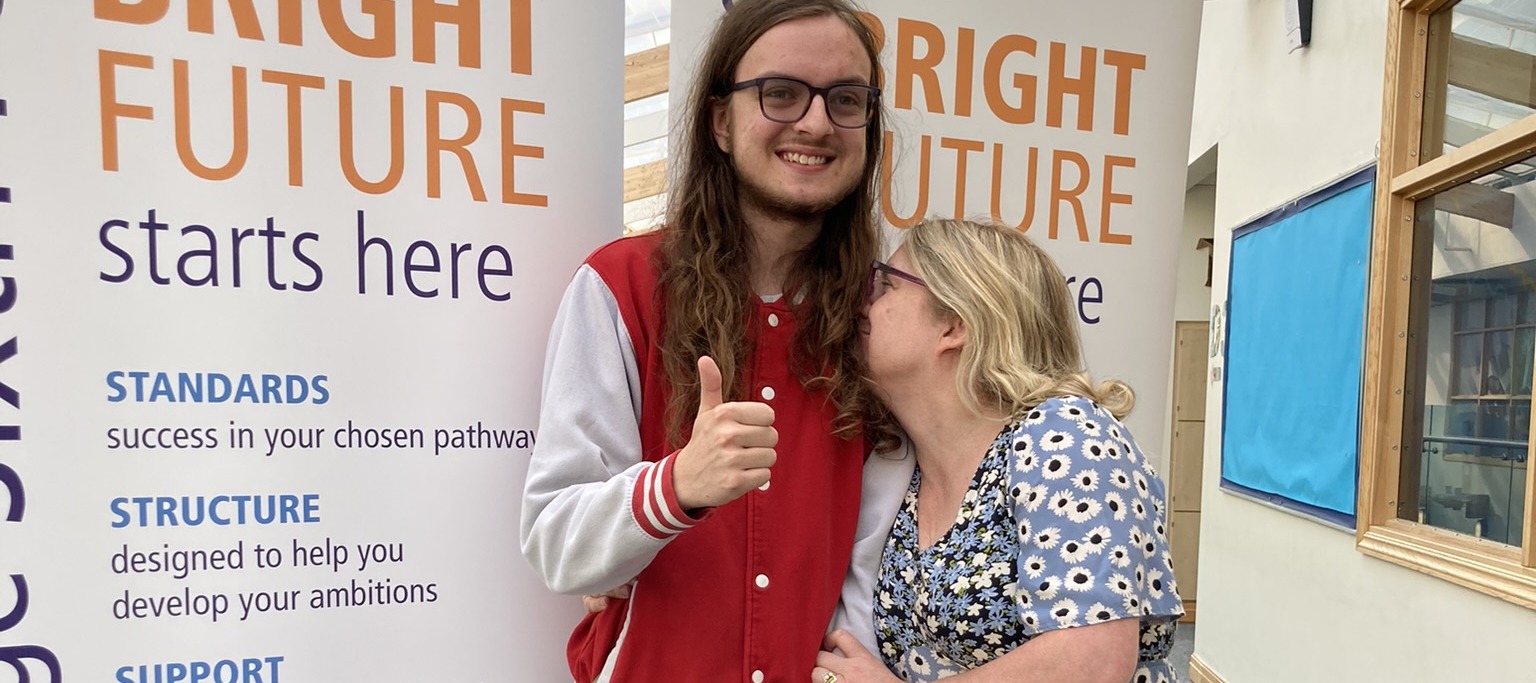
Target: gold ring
829	678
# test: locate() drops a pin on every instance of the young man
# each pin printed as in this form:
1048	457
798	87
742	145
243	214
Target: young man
700	426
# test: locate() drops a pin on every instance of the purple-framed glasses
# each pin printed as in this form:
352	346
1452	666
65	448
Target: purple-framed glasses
877	288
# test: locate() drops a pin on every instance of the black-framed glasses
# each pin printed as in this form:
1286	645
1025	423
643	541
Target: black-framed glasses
786	100
877	269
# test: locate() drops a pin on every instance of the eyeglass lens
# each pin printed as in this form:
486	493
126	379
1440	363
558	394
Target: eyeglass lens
786	101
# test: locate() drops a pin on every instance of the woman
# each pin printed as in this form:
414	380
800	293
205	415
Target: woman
1031	542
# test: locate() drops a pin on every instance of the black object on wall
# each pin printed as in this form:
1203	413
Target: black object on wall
1298	23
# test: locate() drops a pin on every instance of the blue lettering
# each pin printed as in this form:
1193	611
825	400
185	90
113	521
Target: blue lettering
221	510
297	389
187	509
114	381
240	505
138	384
166	509
191	388
117	510
162	389
271	389
246	390
219	387
213	513
143	504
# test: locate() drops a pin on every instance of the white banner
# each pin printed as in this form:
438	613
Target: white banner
275	284
1068	120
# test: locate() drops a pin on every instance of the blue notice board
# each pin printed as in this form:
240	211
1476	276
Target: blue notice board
1295	347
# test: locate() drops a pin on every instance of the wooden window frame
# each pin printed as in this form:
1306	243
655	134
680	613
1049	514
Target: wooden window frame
645	75
1392	380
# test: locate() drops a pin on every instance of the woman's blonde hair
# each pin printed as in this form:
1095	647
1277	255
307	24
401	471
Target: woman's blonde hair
1022	345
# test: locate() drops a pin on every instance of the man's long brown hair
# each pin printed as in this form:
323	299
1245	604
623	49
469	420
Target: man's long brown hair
703	259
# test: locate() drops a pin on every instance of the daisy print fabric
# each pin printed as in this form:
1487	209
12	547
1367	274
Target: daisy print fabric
1064	525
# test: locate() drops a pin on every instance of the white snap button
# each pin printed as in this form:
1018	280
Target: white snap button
762	580
768	393
773	320
764	487
757	676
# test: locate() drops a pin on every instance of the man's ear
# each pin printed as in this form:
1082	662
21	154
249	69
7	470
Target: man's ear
720	121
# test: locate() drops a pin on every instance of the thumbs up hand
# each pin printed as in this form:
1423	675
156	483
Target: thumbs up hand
731	449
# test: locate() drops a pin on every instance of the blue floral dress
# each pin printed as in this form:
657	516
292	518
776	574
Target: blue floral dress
1064	525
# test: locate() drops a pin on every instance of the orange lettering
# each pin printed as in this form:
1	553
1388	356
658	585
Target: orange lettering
396	141
1111	198
1124	63
872	22
965	65
290	23
910	68
111	109
522	37
240	122
458	146
295	84
382	44
1060	194
465	16
510	150
200	18
887	170
1026	83
142	12
962	148
1029	187
1060	85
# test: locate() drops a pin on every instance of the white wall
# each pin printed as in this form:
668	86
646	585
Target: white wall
1191	298
1284	598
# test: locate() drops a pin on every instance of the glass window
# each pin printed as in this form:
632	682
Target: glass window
1481	272
1451	337
1481	71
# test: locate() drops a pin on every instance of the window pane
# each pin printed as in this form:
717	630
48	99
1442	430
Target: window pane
1469	364
1496	360
1495	420
1520	420
1525	348
1469	314
1475	244
1480	72
1501	311
1461	421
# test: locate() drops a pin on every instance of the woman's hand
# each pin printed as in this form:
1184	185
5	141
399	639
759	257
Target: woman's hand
598	603
854	665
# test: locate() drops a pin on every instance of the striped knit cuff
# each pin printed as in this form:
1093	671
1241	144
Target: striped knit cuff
654	503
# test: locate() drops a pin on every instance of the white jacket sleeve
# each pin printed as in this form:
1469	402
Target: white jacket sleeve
886	479
594	513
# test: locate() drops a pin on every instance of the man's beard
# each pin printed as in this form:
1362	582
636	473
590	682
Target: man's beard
774	205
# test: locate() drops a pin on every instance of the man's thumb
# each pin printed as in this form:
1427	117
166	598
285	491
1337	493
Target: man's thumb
710	393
